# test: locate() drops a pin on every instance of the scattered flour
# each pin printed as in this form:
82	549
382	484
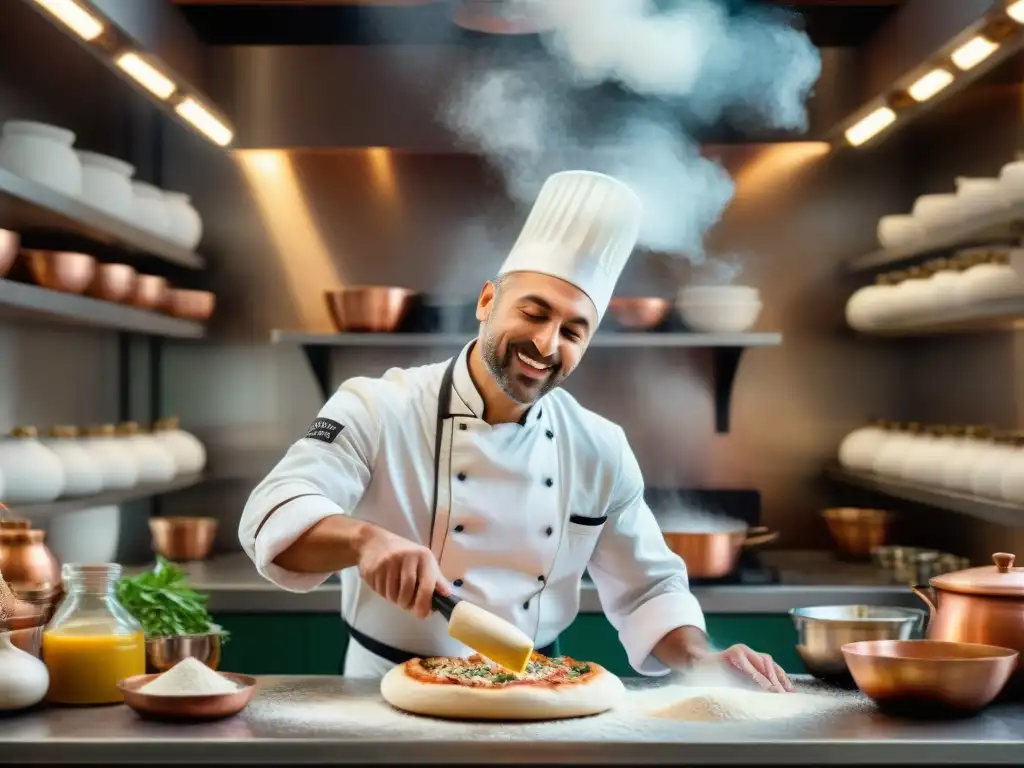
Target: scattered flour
189	677
732	705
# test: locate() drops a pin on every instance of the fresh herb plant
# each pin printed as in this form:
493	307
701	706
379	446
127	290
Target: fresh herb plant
164	604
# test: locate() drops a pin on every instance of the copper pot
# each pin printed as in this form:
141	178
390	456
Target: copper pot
191	305
9	242
714	555
29	567
980	605
151	292
183	538
640	313
113	282
857	532
61	270
368	308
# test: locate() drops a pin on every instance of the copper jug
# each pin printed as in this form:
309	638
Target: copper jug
30	568
980	605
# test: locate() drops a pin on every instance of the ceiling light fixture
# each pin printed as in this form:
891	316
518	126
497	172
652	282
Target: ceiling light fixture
1016	11
870	126
196	114
930	84
146	75
973	52
74	17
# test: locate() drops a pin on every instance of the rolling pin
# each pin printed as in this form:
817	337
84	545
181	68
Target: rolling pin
485	633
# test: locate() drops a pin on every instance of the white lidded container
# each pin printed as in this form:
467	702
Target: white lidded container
86	535
118	464
946	279
898	230
937	212
912	299
920	464
83	475
156	464
107	183
1011	181
979	196
42	153
33	474
148	208
858	449
863	308
987	472
989	277
958	464
1011	484
189	453
894	450
184	225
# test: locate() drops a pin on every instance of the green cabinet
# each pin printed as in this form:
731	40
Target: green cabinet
313	643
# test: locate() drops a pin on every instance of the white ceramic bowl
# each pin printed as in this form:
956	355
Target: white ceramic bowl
720	316
42	153
718	293
899	230
106	183
184	226
937	211
150	211
979	196
1011	181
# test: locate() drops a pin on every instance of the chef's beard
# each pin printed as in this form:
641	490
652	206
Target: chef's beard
502	368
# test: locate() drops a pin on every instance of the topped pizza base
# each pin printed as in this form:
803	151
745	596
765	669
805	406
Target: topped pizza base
478	689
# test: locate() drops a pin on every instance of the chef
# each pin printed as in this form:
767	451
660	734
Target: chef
479	476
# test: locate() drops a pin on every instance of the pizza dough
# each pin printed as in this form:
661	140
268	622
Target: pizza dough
475	689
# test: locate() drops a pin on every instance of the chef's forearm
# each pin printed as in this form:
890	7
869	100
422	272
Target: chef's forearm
330	545
682	647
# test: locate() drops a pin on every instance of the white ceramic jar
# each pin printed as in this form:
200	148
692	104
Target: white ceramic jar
156	464
946	280
83	475
189	453
912	299
42	153
863	307
107	183
937	212
990	280
32	472
857	450
928	467
86	535
919	462
898	230
958	465
148	208
118	465
894	450
979	197
24	679
988	470
1011	181
184	225
1011	484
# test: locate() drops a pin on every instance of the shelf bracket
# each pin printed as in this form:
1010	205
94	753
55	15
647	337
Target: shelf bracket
725	362
319	358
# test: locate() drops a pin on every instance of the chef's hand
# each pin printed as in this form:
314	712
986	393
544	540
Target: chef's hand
759	667
402	572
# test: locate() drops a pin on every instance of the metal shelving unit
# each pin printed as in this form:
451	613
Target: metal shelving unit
23	301
726	348
28	207
989	510
40	512
997	226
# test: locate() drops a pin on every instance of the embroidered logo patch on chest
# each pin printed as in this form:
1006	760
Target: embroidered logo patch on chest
324	430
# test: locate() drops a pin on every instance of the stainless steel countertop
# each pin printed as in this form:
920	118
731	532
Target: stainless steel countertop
807	578
334	720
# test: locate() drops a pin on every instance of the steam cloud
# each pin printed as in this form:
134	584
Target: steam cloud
679	65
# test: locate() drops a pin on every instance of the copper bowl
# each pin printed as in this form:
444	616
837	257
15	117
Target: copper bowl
714	555
924	678
501	17
856	531
151	292
640	313
183	538
368	308
114	282
63	271
9	244
208	707
162	653
191	305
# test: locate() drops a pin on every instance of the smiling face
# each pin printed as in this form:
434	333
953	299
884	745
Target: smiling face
534	330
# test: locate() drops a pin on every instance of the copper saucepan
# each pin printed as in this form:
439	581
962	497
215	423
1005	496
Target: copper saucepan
714	555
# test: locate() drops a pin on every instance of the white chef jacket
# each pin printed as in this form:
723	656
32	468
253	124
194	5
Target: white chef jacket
522	511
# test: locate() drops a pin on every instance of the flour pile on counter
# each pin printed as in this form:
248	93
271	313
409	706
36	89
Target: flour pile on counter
189	677
710	705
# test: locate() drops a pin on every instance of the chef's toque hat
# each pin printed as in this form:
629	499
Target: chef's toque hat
582	229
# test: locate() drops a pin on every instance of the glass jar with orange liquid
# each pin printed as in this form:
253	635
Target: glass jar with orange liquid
92	642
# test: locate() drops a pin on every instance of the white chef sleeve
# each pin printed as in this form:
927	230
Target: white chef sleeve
643	586
323	474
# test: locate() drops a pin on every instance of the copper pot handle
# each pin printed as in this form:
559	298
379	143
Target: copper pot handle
920	591
759	535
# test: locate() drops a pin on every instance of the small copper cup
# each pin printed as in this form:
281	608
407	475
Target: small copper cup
114	282
191	305
9	244
151	292
62	271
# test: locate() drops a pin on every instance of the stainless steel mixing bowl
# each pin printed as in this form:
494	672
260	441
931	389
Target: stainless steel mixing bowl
822	631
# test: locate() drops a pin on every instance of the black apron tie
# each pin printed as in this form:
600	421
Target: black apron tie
395	655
